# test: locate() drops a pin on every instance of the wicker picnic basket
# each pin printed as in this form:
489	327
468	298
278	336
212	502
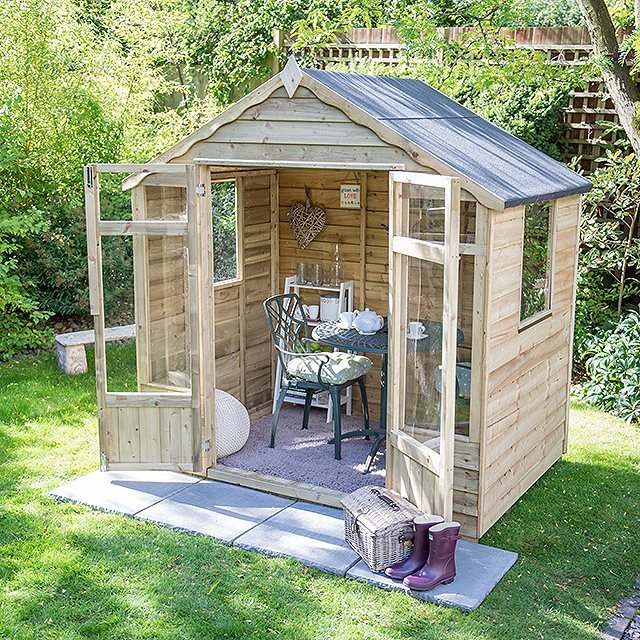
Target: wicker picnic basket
378	524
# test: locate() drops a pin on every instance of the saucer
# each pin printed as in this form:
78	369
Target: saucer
421	337
366	333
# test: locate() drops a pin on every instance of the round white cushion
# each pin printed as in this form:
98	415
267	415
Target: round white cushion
232	424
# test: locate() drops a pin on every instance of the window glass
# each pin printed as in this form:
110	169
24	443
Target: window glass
225	230
535	294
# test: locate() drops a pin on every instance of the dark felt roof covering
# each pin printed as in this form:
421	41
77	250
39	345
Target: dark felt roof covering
474	147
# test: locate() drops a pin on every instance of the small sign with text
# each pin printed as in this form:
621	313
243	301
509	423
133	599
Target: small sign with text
350	196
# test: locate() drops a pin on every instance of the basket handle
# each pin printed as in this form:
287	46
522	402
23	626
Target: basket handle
390	503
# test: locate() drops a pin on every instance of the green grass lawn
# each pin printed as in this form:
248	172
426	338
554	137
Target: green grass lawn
67	572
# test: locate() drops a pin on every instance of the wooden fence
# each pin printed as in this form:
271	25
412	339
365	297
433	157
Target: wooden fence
589	107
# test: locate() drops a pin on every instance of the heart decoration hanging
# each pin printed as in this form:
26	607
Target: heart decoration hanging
306	222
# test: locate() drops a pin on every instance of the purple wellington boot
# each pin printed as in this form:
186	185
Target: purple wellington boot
420	551
441	565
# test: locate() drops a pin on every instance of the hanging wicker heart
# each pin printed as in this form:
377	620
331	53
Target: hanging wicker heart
306	222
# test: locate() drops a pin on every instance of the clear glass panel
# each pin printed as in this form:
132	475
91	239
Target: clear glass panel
168	362
166	203
225	230
162	329
119	312
424	351
115	204
536	260
426	215
466	293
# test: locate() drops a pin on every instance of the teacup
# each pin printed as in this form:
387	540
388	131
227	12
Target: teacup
313	311
347	318
416	330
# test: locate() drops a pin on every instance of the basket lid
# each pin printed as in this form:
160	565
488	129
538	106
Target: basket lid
379	509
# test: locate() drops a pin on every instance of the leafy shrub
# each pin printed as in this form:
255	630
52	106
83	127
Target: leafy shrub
608	267
613	370
22	324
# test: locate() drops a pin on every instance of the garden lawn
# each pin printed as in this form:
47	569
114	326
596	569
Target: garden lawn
67	572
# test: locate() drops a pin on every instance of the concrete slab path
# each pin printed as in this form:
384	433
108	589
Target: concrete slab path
269	524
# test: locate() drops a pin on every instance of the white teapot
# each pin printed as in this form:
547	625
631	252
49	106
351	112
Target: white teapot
368	322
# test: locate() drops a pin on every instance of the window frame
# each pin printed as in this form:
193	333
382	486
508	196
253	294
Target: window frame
239	277
525	323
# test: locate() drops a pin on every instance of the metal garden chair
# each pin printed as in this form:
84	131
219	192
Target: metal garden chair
311	372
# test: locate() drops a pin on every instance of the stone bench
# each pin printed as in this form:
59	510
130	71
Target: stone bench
70	347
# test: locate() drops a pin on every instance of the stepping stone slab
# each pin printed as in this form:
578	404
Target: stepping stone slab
125	492
310	533
479	569
221	511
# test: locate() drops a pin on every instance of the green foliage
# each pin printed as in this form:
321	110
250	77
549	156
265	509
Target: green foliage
545	13
225	242
85	83
608	269
613	370
22	324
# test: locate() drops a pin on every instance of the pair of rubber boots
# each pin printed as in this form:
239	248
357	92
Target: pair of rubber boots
433	557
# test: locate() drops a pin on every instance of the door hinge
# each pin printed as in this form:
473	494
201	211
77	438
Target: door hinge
88	176
206	445
201	190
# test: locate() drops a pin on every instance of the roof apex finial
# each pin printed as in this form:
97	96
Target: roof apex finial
291	76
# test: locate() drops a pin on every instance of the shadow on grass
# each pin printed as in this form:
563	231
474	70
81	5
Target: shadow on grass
126	579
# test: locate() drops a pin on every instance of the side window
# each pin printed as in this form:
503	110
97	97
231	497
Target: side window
224	209
535	296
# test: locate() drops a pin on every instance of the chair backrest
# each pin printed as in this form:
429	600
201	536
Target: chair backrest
288	326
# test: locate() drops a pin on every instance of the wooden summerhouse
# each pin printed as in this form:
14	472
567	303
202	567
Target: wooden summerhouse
457	222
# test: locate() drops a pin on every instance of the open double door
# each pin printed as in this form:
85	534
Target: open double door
164	418
424	257
167	419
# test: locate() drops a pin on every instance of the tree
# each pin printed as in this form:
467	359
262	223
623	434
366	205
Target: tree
620	85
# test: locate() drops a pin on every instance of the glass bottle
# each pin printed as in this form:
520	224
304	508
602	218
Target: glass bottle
336	267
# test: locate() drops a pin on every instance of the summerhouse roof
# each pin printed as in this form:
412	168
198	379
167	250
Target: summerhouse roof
497	161
433	129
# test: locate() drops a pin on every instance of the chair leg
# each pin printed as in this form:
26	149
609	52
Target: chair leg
337	427
365	402
276	415
307	408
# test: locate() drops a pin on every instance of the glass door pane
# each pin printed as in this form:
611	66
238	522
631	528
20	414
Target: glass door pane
424	300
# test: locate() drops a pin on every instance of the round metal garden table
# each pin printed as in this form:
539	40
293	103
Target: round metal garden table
334	334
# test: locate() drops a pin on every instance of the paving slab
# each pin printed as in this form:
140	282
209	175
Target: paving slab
221	511
310	533
479	569
125	492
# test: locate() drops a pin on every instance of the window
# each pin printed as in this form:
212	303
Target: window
224	209
535	296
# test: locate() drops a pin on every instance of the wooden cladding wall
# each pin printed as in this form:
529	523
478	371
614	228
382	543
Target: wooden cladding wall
364	244
149	437
300	129
528	370
243	343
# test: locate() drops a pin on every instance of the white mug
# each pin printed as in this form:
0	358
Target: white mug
347	318
416	330
313	311
305	310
